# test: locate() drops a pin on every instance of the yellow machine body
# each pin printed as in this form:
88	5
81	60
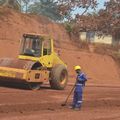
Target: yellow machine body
23	68
24	75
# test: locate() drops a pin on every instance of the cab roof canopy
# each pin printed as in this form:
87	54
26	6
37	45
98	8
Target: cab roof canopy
36	35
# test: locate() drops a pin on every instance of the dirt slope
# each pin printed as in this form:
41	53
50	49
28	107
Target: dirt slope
14	24
100	68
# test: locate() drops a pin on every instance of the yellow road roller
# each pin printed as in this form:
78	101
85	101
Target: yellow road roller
37	63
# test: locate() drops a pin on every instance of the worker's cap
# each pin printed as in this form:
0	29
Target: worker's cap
77	67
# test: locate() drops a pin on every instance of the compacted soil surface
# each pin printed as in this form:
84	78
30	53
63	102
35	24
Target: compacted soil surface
18	103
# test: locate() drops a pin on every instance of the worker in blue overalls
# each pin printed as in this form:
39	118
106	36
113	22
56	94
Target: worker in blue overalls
80	83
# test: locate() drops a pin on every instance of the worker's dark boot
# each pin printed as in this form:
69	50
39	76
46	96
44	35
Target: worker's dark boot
71	106
77	107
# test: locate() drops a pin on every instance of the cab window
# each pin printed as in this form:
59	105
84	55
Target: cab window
31	46
46	47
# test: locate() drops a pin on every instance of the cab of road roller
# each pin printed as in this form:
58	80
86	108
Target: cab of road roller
39	48
35	46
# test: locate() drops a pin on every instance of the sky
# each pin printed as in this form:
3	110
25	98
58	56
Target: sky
100	5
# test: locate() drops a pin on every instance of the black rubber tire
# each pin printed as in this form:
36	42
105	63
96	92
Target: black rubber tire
59	77
34	86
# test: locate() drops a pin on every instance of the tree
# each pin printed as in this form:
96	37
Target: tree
106	21
1	2
11	3
113	11
59	9
55	9
26	4
16	4
47	8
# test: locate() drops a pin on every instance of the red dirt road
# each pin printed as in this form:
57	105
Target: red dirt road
100	103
